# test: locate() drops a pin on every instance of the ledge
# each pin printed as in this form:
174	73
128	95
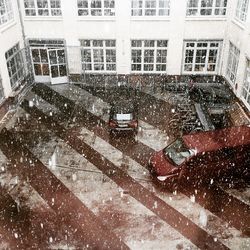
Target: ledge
98	19
240	24
7	26
206	18
149	18
45	18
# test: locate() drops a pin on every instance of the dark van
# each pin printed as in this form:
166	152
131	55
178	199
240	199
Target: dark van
203	156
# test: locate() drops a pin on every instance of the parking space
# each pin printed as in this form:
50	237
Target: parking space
58	153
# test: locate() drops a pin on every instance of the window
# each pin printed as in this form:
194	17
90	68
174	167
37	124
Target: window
246	86
206	7
149	55
232	62
241	10
201	56
98	55
15	65
6	12
150	7
42	7
96	7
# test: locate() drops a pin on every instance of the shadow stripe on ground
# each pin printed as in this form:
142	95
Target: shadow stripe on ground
213	195
11	232
187	228
68	207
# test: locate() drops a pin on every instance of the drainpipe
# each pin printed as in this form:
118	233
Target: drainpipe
29	68
21	22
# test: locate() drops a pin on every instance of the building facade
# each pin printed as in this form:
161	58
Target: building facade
167	37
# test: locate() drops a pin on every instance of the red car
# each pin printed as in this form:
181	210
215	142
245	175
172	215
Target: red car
203	156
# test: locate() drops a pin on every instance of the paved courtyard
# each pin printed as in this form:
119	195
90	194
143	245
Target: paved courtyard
66	184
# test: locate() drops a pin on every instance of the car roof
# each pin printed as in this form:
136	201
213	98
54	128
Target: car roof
217	139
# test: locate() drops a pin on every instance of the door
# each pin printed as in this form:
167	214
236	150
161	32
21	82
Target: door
57	64
40	64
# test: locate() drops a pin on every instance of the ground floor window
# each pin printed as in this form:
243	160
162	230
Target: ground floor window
201	56
98	55
149	55
246	86
232	62
15	65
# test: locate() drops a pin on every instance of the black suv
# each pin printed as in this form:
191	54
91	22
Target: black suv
123	114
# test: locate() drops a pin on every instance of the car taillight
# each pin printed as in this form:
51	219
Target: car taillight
112	123
133	123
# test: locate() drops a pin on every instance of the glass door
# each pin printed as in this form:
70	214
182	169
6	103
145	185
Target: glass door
57	64
40	64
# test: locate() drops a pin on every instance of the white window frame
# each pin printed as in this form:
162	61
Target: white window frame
232	63
108	45
32	8
241	10
15	65
107	8
217	8
6	11
159	8
193	64
138	56
245	94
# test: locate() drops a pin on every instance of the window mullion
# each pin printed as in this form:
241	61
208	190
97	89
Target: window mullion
49	8
199	7
157	6
207	56
194	57
36	7
92	54
142	56
104	55
143	7
155	55
213	7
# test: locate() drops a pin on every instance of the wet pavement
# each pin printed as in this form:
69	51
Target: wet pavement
66	184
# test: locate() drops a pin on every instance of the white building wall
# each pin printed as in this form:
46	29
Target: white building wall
10	35
122	27
239	34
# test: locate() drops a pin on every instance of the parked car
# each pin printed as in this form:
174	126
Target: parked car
123	116
203	156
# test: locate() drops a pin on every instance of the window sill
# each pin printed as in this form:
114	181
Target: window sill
239	23
206	18
149	18
198	73
7	26
96	18
100	72
148	72
44	18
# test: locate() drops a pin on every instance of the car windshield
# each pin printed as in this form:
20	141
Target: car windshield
178	152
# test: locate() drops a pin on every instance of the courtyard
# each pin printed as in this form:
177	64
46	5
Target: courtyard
67	184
